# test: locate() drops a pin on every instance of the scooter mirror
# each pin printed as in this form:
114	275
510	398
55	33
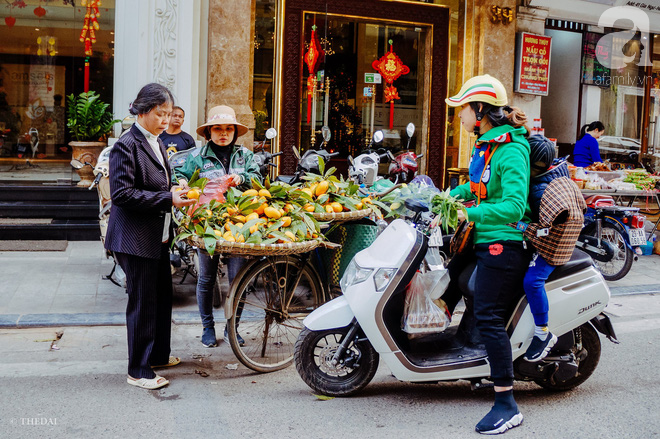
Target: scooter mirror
296	153
325	132
127	122
350	161
77	164
378	136
271	133
410	129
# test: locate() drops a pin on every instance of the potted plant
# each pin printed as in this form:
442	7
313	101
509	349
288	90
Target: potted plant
90	122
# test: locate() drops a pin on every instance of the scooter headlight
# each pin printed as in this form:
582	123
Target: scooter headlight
353	275
383	277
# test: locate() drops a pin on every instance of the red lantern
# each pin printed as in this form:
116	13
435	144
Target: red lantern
10	21
312	58
390	67
39	11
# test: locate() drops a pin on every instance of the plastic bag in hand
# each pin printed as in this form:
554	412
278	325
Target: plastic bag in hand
423	315
214	190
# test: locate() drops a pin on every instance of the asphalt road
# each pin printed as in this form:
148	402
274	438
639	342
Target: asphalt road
79	390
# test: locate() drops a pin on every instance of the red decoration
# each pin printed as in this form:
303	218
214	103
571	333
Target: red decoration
39	11
390	68
312	58
91	25
10	21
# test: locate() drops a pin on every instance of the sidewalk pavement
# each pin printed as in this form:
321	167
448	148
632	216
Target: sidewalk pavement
68	288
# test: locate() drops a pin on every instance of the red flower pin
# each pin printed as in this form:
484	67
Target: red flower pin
495	249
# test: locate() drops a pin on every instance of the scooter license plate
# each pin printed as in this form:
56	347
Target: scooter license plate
637	237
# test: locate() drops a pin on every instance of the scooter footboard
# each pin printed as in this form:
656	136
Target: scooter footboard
334	314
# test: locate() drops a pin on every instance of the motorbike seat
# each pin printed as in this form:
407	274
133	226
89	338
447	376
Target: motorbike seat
284	178
595	201
579	261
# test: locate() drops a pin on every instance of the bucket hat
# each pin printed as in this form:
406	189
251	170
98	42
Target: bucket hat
482	88
221	115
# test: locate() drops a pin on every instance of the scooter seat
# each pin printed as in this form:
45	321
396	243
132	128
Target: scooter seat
285	178
579	261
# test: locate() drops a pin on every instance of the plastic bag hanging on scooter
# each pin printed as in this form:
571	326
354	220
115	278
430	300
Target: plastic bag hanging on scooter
425	312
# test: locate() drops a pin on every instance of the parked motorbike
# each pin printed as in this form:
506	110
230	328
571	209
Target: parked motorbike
363	169
309	162
338	351
611	235
264	158
403	167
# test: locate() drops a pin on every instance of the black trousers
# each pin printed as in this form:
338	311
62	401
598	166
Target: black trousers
501	267
148	312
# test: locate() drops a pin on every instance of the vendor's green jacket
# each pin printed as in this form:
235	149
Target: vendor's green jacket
503	185
241	162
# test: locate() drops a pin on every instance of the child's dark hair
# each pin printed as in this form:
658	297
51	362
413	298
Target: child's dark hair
150	96
499	116
595	125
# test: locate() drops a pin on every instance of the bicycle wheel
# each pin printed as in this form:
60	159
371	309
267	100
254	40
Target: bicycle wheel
269	304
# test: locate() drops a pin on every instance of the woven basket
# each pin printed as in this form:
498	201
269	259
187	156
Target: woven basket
241	248
342	216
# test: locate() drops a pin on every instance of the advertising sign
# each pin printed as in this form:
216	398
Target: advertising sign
532	63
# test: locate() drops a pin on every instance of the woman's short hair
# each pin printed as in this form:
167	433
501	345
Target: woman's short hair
150	96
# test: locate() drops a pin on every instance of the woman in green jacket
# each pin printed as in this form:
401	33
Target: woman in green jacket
220	156
499	183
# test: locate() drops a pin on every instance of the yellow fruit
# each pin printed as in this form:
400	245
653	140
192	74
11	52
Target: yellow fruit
240	219
271	212
313	187
239	225
309	207
240	238
193	194
367	200
250	217
260	209
288	207
336	206
290	235
251	193
228	236
225	215
232	210
328	208
227	225
321	188
209	214
286	221
308	191
254	228
179	189
218	232
264	193
314	235
358	206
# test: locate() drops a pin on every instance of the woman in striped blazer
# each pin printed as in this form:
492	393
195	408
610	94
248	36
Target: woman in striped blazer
139	234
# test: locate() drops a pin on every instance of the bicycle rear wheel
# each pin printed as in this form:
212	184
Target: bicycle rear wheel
270	301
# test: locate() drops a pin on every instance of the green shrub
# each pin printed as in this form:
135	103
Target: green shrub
88	118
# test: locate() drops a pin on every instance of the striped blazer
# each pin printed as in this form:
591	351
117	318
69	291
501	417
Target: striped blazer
562	211
140	191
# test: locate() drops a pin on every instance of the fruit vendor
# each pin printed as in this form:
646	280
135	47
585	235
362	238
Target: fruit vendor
220	156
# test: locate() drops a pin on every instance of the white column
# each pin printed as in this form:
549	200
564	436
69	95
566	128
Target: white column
159	41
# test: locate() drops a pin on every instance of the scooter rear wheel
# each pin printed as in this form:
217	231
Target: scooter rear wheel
622	260
313	355
590	342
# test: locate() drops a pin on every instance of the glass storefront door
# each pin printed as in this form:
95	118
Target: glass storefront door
349	98
653	150
41	62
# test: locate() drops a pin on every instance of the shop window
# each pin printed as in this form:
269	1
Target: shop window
349	99
264	51
41	61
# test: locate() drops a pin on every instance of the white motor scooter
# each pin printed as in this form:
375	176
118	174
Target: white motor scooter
337	353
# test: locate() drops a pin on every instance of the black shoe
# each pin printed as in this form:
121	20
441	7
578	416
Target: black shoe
241	342
208	338
539	349
503	416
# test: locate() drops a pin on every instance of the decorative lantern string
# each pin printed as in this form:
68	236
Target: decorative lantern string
312	58
390	67
88	33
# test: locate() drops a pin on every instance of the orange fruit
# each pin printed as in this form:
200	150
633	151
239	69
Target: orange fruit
336	206
228	236
328	208
250	192
290	235
309	207
240	219
264	193
232	210
322	188
250	217
308	191
358	206
367	200
288	207
272	212
286	221
260	209
218	232
193	194
240	238
254	228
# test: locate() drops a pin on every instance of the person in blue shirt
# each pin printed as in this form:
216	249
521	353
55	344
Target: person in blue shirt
586	150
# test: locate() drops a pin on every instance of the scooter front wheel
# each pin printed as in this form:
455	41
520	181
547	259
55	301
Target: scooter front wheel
314	354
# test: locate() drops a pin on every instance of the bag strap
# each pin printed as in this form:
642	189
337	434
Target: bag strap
484	170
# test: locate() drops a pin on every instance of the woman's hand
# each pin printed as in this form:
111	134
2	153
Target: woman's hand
178	200
183	184
236	179
461	215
